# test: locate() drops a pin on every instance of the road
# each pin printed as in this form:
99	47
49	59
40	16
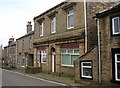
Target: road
15	79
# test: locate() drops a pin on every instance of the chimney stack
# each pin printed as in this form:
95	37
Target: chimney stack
29	27
11	40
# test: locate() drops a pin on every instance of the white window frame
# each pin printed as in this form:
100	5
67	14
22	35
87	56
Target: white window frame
113	26
53	25
70	56
41	29
43	52
116	78
68	17
82	75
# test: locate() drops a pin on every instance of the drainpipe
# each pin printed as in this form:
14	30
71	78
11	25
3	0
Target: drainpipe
85	26
99	53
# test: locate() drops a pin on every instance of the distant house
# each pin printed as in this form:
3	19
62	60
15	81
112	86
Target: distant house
10	53
24	50
101	65
1	52
61	36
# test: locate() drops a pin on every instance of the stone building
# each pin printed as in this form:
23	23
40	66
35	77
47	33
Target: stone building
24	50
10	53
62	36
1	52
101	65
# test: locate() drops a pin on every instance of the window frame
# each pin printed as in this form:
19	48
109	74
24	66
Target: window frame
30	43
82	67
42	56
116	62
68	17
71	54
113	26
41	29
53	24
40	53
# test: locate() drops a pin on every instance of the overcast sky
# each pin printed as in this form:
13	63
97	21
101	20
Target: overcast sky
14	15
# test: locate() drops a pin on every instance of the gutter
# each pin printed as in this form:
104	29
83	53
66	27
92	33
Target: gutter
85	26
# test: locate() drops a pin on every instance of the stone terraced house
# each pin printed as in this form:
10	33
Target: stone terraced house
64	33
101	65
10	53
24	50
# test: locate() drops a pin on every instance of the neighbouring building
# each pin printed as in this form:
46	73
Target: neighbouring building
1	52
10	53
61	36
101	65
24	50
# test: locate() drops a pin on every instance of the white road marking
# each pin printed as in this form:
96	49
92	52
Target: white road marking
37	78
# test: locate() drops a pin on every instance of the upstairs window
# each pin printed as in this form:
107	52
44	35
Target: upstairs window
41	29
116	25
70	19
53	24
30	43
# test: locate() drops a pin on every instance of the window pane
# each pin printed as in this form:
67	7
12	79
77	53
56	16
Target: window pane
87	64
63	51
66	59
44	56
74	57
76	51
118	70
118	57
70	51
53	25
70	21
41	29
116	25
87	72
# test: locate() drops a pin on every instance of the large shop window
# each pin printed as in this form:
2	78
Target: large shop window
68	56
116	25
117	67
86	69
41	58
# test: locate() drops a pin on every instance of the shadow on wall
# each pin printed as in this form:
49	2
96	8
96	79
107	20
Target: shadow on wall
118	42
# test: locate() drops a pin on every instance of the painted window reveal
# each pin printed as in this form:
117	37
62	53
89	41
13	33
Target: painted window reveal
116	25
53	24
86	69
68	56
70	19
41	29
117	67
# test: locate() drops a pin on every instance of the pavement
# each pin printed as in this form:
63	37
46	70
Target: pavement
67	80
